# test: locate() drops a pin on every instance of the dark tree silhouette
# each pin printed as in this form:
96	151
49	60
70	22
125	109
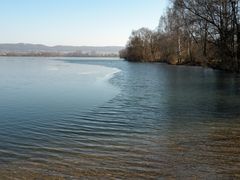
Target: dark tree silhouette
197	32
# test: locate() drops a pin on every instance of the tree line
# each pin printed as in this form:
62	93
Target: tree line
196	32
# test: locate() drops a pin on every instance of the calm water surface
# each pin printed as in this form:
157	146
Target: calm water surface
71	118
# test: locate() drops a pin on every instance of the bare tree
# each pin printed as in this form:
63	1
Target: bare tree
202	32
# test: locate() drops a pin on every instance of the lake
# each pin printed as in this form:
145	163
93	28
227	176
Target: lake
66	118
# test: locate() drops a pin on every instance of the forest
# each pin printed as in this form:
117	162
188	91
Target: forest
191	32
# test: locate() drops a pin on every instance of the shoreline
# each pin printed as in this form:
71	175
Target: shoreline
47	56
218	68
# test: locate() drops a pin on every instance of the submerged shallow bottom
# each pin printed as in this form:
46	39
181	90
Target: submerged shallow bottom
213	154
166	121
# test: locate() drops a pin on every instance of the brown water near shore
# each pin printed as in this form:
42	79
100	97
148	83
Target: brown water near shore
212	153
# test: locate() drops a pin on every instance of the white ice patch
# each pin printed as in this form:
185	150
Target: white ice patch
96	72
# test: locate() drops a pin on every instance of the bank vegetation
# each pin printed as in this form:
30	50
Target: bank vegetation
195	32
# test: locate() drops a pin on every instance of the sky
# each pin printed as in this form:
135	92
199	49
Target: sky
76	22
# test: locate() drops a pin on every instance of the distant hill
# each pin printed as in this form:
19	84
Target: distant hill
39	49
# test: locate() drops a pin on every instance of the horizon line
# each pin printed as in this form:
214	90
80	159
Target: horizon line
43	44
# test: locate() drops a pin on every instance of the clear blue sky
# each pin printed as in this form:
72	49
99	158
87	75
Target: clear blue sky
76	22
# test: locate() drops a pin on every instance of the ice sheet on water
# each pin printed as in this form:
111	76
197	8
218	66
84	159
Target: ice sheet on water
92	71
52	84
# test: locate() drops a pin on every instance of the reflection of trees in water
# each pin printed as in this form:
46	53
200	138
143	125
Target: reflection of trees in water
227	92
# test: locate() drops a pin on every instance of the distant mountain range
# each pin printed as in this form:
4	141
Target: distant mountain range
22	49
